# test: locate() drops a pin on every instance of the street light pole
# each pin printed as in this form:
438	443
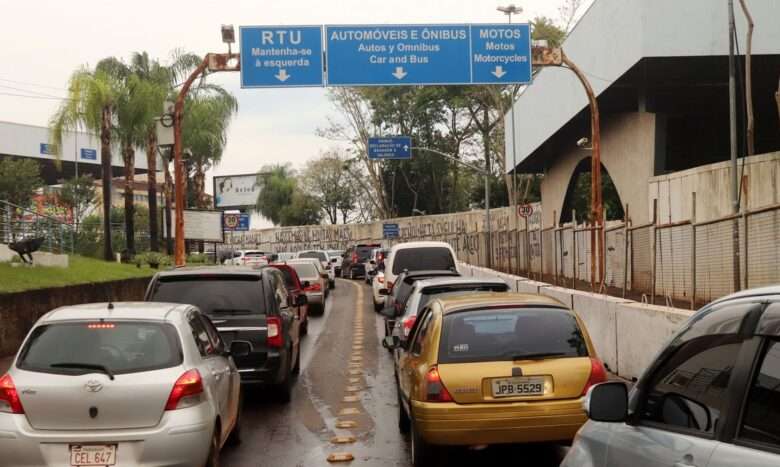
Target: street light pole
486	174
509	11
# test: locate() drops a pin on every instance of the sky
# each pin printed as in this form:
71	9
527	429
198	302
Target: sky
43	42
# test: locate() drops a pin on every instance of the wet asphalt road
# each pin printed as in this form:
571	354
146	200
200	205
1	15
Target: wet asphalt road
346	376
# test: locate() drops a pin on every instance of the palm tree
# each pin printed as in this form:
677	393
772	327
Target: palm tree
207	114
164	78
91	103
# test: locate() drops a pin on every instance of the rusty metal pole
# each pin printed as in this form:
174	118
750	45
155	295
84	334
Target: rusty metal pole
213	62
597	208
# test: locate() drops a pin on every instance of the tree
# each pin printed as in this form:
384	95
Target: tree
207	114
303	209
78	194
545	29
19	178
91	102
325	179
276	191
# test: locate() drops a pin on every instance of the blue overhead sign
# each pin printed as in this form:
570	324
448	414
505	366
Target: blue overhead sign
500	53
391	231
281	56
393	147
89	154
367	55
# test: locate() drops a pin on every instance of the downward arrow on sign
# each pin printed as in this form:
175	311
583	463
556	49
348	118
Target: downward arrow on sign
282	75
498	72
400	73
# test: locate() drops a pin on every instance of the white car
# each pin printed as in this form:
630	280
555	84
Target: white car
126	384
336	257
377	284
325	261
418	256
248	258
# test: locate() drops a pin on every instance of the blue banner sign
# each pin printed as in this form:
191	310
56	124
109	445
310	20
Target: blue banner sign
89	154
281	56
393	147
48	149
235	222
500	53
367	55
390	231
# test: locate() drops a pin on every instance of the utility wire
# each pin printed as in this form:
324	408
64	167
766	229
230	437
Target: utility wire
30	91
32	97
32	84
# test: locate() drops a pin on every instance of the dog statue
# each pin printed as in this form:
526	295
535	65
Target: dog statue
27	247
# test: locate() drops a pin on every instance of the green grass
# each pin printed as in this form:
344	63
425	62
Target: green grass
80	271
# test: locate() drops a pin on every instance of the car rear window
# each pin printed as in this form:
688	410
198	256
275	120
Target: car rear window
510	334
289	280
213	295
120	347
364	252
424	258
305	270
443	292
314	254
254	253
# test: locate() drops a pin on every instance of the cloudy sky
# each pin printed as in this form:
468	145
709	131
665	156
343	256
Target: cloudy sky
44	41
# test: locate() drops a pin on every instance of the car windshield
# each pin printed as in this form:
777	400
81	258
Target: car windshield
213	294
113	347
424	258
510	334
314	254
305	270
335	253
254	253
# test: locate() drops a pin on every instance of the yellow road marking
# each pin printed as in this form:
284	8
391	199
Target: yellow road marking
343	439
349	411
341	457
345	424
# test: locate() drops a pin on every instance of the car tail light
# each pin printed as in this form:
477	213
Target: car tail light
9	398
597	374
390	285
315	287
354	258
408	323
380	279
434	388
186	391
274	331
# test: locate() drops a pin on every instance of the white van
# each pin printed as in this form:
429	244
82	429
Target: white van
418	256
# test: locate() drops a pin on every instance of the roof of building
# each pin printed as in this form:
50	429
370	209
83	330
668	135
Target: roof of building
610	39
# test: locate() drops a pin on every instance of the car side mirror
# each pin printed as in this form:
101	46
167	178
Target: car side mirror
301	300
305	284
334	260
391	342
372	262
607	402
240	348
384	292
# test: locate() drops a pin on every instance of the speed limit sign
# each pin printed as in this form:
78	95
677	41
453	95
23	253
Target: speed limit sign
525	210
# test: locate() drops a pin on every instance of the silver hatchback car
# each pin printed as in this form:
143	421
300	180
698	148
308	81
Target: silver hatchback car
123	384
710	399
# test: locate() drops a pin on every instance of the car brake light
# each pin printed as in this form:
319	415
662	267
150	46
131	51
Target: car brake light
434	388
354	258
380	279
390	285
186	391
597	374
408	323
9	398
274	332
315	287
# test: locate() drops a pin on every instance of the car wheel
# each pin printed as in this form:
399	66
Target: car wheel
296	370
332	284
378	306
305	326
284	389
234	439
422	452
403	418
213	459
352	274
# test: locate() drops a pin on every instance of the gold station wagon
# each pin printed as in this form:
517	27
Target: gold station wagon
490	368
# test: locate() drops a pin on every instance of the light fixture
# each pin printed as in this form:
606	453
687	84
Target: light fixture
228	36
584	143
510	10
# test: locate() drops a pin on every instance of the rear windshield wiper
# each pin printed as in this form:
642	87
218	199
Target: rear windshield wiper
537	355
85	366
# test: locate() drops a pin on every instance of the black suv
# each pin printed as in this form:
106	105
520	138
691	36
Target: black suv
250	305
352	266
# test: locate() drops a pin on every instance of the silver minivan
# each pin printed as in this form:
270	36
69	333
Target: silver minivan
710	399
123	384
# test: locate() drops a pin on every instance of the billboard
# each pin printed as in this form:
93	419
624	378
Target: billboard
235	191
200	225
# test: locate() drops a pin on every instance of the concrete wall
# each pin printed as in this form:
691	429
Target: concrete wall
712	185
627	153
19	311
627	335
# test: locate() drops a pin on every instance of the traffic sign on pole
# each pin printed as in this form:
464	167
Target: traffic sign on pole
390	231
372	55
500	53
393	147
281	56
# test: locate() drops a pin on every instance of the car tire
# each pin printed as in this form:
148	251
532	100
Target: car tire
234	439
213	458
404	424
296	369
378	307
422	453
332	284
352	274
284	389
305	326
